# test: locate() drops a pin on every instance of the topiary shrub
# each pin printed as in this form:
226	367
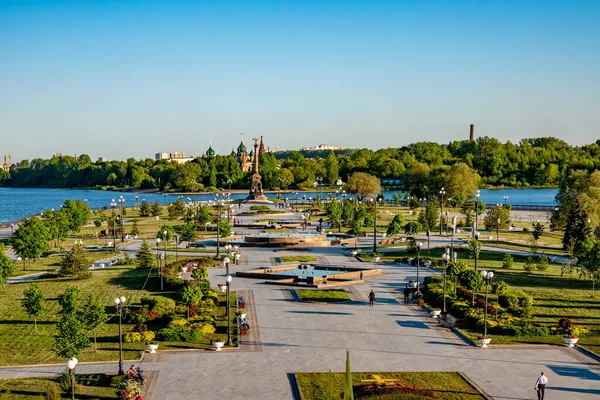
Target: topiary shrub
508	299
564	323
52	393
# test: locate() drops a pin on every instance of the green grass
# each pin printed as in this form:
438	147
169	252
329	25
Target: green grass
322	296
286	259
53	263
445	385
96	386
22	346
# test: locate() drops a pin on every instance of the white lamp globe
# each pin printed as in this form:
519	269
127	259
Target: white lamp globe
71	363
490	274
122	298
484	273
117	300
229	278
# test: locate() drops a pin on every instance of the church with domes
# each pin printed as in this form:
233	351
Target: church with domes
244	157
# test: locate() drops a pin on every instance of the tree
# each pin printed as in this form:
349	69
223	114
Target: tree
68	300
412	228
145	209
135	230
429	217
225	229
71	337
454	270
472	280
499	287
200	273
33	302
190	296
7	268
348	388
497	213
75	263
363	185
331	168
176	209
396	226
77	213
577	224
187	233
538	230
334	214
460	182
145	257
156	209
31	239
165	236
589	259
508	261
93	316
202	215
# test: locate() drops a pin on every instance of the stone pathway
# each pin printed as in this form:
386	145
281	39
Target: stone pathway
302	337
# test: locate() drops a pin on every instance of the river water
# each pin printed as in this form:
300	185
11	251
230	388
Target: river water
17	203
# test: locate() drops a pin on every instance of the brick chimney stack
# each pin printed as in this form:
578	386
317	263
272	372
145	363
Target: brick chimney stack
472	132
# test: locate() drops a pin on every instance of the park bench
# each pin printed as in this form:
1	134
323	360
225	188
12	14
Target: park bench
387	241
450	320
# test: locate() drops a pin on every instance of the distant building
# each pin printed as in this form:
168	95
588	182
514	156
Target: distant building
322	147
177	154
161	156
242	156
101	159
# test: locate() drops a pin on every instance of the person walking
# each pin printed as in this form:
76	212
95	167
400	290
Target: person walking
540	385
406	295
372	298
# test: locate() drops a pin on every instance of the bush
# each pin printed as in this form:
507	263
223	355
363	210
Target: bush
525	301
137	337
509	300
508	262
564	323
159	306
433	279
52	393
529	265
140	327
520	311
542	263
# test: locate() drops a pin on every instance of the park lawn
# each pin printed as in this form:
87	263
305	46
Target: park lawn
445	385
89	386
287	259
53	263
322	296
554	297
21	345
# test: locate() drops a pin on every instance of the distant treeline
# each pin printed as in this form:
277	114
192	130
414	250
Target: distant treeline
531	162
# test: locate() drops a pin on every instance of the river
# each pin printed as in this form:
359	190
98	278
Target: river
17	203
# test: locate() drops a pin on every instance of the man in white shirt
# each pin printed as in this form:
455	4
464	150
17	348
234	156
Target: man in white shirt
540	385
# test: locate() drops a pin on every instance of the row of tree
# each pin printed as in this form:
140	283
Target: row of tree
421	167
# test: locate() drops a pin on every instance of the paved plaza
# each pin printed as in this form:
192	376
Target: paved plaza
392	336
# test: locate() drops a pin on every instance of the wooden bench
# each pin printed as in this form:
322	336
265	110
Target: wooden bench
450	320
387	241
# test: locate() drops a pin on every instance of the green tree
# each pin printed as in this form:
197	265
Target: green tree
68	300
93	316
497	213
348	388
412	228
472	280
75	263
144	256
577	226
331	169
203	215
589	260
460	183
396	226
31	239
225	229
176	209
190	296
429	217
145	209
363	185
538	230
454	270
165	236
71	338
156	209
334	214
499	287
187	233
135	230
508	261
33	302
77	213
200	273
7	268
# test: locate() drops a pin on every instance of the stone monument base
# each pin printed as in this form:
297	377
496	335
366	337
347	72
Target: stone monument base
257	197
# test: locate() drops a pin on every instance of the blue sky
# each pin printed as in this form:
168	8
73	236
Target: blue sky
125	78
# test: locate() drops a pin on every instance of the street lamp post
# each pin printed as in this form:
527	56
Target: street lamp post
375	226
113	205
176	248
165	237
218	204
442	193
487	277
158	263
229	279
505	199
122	206
498	232
71	364
120	303
446	258
419	244
476	249
477	209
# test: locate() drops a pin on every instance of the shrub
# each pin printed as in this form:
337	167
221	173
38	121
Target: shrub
159	306
525	301
132	337
207	329
529	265
148	336
473	315
170	334
491	324
433	279
509	299
52	393
542	263
177	322
140	327
520	311
564	323
508	262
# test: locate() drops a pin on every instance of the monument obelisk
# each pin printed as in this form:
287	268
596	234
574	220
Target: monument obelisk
256	191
